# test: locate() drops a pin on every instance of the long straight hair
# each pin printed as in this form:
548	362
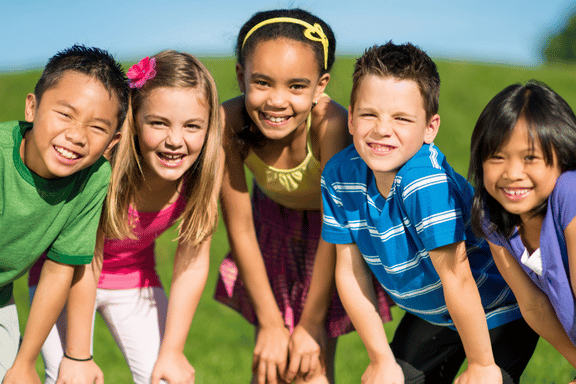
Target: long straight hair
173	70
551	122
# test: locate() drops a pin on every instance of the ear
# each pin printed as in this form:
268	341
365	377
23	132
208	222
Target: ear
113	142
240	77
350	121
30	108
321	86
432	129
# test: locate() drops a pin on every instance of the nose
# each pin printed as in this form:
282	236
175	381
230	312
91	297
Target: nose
76	134
174	139
382	128
277	98
514	169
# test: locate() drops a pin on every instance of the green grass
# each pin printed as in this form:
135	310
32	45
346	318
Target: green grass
220	342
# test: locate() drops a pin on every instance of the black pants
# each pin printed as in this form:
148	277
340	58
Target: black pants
430	353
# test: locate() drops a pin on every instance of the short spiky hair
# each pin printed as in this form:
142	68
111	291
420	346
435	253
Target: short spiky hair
404	62
94	62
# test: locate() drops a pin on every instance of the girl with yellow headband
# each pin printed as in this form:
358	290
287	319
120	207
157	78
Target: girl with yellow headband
284	129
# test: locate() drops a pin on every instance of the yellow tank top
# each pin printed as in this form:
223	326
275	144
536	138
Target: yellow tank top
296	188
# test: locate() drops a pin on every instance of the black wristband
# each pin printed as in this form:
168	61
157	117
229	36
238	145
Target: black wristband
73	358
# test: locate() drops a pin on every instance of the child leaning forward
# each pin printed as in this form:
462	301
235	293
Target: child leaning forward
394	206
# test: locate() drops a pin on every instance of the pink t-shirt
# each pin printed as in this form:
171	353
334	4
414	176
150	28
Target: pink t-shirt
131	263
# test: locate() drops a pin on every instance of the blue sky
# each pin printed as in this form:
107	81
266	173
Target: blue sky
499	31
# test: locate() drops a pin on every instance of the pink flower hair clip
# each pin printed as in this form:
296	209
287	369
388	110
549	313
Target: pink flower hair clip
140	73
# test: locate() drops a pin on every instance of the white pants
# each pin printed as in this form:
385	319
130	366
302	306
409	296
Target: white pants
135	317
9	336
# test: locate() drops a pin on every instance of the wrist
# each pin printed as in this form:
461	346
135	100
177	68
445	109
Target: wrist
271	320
82	359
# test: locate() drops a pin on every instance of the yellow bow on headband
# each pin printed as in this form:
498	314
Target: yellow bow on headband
308	32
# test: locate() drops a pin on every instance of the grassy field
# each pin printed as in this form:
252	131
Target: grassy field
220	342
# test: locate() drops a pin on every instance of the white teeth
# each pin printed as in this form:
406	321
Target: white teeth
381	147
66	153
275	119
172	157
516	191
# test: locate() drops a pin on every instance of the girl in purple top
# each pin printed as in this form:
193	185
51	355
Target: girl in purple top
523	164
167	167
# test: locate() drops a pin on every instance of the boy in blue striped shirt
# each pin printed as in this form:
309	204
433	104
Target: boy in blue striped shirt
394	206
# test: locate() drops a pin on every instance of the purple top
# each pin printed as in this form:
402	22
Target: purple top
554	280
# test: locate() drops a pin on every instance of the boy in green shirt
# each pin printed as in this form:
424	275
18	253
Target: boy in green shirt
53	180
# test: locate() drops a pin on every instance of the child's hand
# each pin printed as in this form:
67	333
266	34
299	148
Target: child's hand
478	374
270	354
383	373
305	347
174	368
79	372
21	374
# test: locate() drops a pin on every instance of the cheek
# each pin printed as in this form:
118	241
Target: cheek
488	177
195	142
147	143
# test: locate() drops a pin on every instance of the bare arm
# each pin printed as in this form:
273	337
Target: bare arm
271	350
356	291
191	264
465	307
534	304
309	336
47	305
80	310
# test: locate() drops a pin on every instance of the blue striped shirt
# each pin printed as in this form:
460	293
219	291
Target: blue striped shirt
428	207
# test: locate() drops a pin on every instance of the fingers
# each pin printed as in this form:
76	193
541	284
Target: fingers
272	373
293	367
261	372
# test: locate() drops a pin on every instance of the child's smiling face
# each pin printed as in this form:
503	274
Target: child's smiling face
280	81
517	175
74	123
388	123
172	124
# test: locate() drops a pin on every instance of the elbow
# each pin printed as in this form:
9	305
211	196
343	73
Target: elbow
535	308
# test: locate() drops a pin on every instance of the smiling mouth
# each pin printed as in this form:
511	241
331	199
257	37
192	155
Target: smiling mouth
171	159
380	148
516	193
67	154
275	119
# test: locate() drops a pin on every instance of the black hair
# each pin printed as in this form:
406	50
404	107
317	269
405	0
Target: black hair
94	62
285	30
244	49
550	121
403	62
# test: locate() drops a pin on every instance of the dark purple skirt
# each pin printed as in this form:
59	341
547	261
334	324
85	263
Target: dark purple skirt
288	242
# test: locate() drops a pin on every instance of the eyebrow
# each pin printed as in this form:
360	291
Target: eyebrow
291	81
75	110
158	117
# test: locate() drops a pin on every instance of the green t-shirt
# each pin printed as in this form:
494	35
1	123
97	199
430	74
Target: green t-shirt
59	216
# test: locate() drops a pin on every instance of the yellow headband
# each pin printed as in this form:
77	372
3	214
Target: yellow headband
310	29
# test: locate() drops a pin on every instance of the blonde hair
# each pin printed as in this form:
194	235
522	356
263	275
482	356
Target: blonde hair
173	69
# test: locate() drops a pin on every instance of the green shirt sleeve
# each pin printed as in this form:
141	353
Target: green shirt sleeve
75	243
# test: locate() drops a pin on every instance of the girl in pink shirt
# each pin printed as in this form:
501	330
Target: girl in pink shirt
166	167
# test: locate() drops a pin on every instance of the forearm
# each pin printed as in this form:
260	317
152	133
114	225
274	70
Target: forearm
463	302
188	281
80	311
253	272
49	299
541	317
321	287
465	307
356	292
